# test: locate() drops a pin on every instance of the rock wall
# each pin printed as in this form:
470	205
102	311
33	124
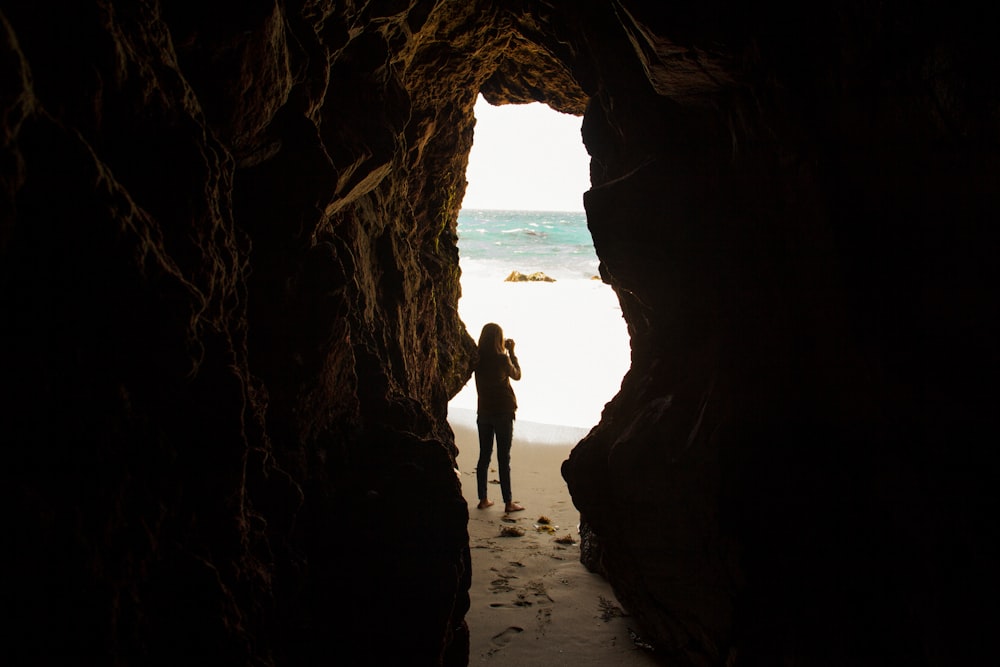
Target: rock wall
793	472
229	286
229	277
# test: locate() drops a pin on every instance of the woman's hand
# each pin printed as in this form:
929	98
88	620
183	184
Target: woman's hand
509	345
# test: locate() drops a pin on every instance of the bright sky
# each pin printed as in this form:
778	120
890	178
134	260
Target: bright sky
526	157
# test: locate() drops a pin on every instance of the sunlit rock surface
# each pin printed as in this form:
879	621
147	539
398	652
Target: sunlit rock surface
228	286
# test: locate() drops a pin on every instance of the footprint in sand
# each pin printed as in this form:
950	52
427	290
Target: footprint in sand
501	584
544	618
504	637
501	581
534	592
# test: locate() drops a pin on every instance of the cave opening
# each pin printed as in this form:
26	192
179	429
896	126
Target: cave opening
528	262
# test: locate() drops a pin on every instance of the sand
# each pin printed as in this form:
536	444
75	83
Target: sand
532	601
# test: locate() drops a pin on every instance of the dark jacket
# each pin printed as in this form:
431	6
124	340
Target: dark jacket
493	375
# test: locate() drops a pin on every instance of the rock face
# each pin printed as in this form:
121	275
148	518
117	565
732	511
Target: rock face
228	286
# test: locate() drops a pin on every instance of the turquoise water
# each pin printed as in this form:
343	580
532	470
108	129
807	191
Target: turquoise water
555	243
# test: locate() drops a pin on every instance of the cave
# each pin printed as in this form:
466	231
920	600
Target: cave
228	287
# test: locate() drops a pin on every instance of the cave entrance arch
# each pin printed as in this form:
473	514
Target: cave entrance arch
523	212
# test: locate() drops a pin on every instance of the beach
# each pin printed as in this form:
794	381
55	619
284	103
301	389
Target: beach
532	601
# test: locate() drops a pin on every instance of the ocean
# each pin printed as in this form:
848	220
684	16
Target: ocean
572	341
497	242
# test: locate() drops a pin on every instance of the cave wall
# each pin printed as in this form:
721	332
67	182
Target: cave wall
794	470
229	289
229	280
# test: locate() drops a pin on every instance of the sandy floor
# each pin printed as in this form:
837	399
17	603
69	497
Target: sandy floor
533	603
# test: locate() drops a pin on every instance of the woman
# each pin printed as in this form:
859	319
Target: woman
496	367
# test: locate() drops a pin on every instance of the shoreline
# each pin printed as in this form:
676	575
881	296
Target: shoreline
525	430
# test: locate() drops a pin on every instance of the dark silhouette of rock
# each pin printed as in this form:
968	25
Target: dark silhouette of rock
228	288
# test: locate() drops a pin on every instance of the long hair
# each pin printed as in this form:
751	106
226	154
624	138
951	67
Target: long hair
491	340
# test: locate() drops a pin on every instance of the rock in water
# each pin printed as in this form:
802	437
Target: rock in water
537	276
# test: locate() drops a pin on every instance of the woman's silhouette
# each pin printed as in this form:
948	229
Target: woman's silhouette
496	367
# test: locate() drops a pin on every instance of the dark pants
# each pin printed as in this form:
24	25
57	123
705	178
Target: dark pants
501	426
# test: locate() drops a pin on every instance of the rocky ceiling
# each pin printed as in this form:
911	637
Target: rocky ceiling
228	280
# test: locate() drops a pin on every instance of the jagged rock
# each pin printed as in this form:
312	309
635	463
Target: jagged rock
537	276
228	288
